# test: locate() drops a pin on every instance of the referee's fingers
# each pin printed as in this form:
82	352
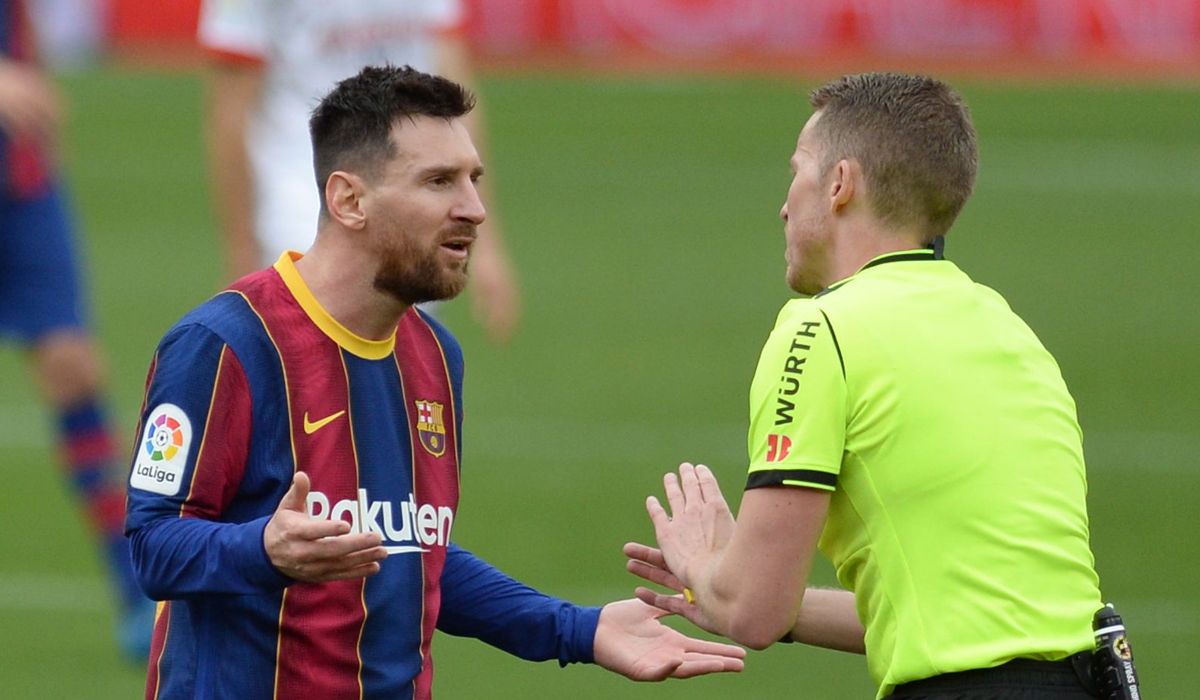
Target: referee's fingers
690	485
658	516
674	493
650	555
710	490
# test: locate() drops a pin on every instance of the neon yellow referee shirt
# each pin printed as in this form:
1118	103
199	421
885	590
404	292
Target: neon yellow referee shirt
949	440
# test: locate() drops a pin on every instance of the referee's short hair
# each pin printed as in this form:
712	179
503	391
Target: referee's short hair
914	139
351	128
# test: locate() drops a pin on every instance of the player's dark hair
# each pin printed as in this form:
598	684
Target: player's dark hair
914	139
351	127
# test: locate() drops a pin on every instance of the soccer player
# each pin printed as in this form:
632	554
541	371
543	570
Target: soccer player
42	306
297	482
264	82
904	420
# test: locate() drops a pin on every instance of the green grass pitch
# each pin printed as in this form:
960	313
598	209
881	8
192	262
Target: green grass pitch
643	216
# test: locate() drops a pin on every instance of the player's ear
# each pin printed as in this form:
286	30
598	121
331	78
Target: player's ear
344	199
844	183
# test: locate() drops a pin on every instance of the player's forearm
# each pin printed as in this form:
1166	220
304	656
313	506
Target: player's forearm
828	619
232	96
177	558
480	601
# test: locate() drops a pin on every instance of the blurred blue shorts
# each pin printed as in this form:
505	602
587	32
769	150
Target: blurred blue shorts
39	275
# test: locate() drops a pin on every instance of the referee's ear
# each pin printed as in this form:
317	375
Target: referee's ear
344	199
844	184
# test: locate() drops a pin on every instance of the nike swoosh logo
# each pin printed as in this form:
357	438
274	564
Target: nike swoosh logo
311	427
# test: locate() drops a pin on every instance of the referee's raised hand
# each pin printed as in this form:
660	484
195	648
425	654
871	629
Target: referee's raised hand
314	550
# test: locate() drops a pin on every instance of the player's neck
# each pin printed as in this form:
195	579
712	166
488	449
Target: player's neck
344	288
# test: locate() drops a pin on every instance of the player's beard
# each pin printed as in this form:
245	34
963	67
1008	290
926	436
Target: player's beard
415	275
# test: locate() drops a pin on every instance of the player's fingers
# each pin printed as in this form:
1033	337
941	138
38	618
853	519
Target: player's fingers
297	493
361	571
356	543
702	646
641	552
674	493
653	574
301	527
698	665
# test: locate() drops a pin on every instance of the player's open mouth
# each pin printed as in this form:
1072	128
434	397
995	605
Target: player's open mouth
458	247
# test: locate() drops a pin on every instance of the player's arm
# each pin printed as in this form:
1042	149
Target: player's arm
187	467
233	92
495	296
625	637
236	36
191	453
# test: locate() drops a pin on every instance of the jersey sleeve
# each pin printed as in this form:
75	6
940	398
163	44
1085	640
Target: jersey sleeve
798	403
193	441
480	601
235	30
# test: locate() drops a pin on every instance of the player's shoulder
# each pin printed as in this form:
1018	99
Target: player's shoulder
226	318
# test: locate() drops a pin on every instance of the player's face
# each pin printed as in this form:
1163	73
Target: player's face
423	211
807	230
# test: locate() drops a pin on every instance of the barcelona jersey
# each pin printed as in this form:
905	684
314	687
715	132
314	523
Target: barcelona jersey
256	384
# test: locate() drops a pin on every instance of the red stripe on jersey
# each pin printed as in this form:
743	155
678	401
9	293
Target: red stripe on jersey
158	645
320	624
426	378
222	459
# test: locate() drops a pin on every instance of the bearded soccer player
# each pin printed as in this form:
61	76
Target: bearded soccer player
904	418
293	496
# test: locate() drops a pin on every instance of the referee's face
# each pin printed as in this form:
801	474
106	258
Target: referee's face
806	218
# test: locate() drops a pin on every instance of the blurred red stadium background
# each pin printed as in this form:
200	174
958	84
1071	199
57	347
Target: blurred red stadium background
1160	37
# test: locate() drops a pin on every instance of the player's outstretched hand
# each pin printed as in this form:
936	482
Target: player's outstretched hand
311	550
631	640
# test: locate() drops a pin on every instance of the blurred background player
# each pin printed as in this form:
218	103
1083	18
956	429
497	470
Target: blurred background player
42	306
272	62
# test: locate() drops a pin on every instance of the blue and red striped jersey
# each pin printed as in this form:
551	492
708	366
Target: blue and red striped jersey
23	169
248	388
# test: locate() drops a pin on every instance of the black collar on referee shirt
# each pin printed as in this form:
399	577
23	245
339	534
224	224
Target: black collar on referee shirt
934	251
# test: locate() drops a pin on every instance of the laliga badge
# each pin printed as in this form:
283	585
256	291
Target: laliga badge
163	451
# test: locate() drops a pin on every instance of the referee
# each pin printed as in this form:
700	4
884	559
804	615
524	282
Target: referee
905	421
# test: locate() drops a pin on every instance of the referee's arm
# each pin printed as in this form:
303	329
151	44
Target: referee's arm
754	591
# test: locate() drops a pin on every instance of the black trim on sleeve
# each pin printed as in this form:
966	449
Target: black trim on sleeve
836	346
776	477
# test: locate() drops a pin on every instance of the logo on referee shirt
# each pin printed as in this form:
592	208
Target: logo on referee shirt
778	447
430	427
163	452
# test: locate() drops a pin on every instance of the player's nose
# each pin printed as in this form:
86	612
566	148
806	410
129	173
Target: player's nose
470	207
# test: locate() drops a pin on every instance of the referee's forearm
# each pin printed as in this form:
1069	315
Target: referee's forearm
829	619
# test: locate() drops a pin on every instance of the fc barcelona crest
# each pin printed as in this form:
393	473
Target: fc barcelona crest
431	428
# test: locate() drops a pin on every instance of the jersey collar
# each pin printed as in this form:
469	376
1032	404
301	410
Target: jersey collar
933	252
347	339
